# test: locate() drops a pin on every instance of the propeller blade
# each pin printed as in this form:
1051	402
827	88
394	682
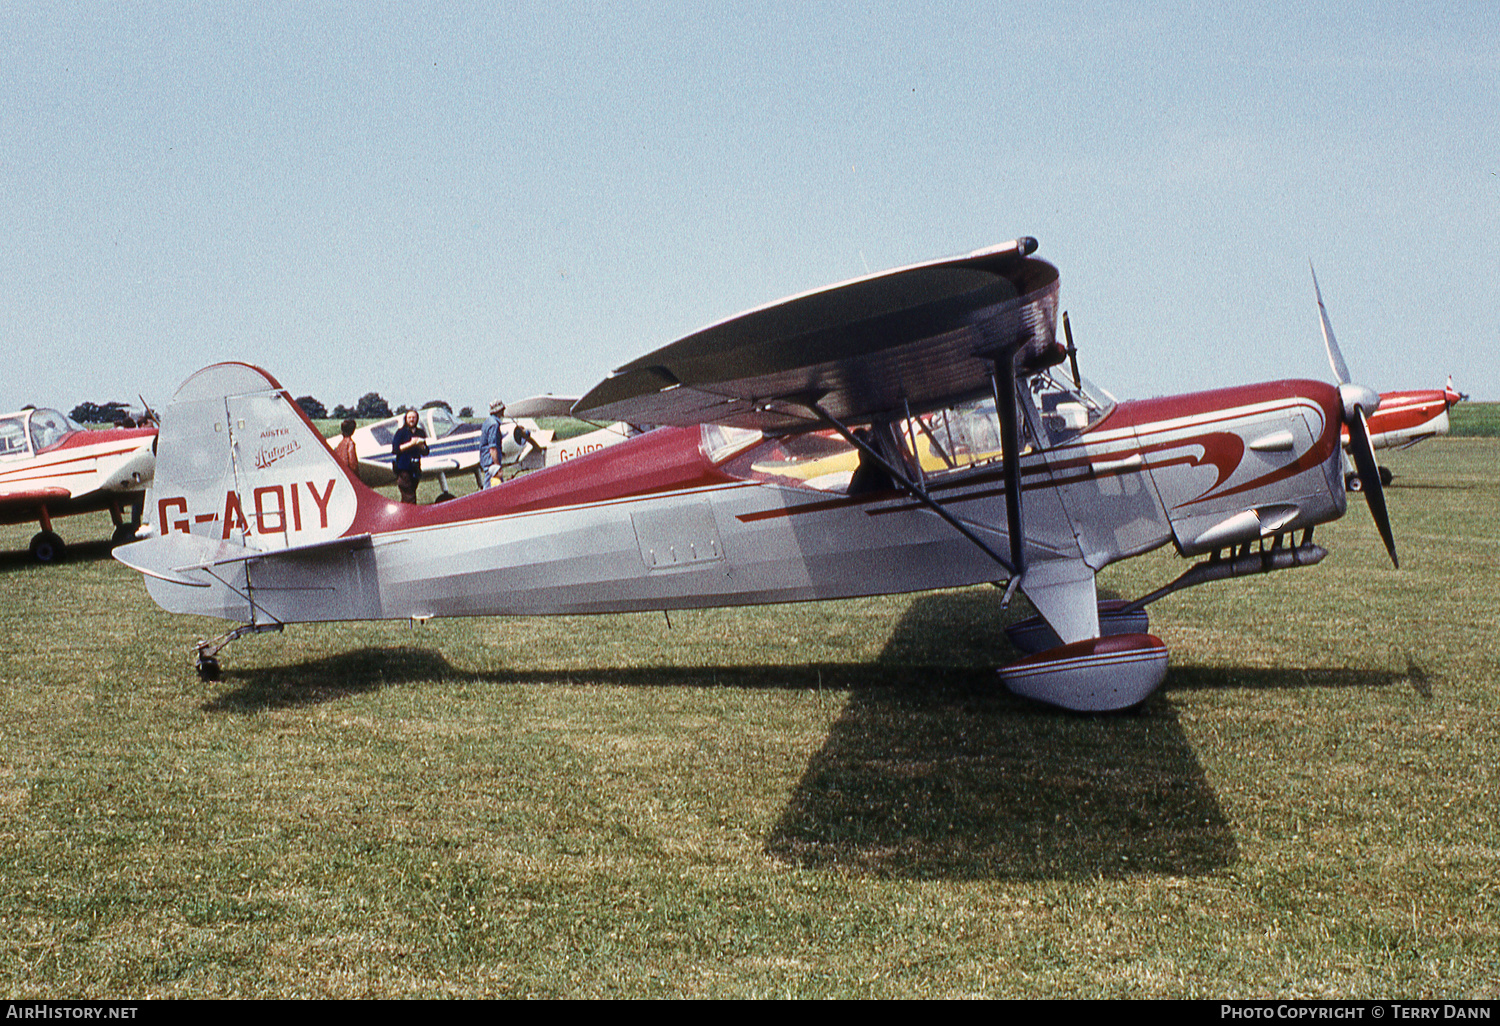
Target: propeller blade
1072	350
1369	475
1335	358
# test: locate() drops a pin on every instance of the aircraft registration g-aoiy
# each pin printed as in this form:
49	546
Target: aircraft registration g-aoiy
909	430
50	467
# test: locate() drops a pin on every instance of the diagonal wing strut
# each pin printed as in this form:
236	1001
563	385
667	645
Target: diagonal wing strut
1005	406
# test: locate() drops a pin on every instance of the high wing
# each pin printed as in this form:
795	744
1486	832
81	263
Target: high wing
865	350
542	406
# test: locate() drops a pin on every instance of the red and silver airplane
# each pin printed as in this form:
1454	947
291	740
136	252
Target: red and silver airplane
904	431
50	467
1403	420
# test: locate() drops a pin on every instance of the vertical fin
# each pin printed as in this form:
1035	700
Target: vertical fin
239	462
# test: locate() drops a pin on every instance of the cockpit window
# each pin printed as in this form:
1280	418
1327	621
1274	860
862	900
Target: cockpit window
720	442
48	427
1065	409
12	436
442	421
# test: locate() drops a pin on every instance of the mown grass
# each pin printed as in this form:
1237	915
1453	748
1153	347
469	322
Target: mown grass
819	800
1475	420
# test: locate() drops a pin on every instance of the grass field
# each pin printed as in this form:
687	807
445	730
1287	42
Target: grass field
1476	420
817	800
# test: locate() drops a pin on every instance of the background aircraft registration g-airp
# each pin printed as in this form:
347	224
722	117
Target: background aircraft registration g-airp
914	429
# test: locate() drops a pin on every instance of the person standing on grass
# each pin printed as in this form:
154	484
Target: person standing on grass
344	452
489	446
409	445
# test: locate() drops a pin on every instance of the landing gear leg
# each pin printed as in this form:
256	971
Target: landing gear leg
125	532
46	547
207	652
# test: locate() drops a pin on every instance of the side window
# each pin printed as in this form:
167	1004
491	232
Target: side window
1065	409
820	460
442	422
12	437
956	437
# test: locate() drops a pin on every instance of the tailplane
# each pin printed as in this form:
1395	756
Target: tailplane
240	473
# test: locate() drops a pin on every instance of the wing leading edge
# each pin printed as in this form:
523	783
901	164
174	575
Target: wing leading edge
864	350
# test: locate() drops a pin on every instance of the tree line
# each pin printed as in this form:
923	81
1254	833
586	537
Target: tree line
370	407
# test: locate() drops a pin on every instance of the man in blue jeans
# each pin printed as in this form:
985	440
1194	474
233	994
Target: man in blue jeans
489	446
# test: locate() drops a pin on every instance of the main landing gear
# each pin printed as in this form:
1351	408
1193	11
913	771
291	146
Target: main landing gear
1116	671
47	547
1354	484
1122	667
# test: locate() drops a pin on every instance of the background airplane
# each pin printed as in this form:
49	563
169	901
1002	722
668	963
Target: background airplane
50	467
978	459
1403	420
560	450
453	446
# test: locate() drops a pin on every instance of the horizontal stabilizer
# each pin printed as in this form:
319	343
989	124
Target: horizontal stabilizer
168	557
171	557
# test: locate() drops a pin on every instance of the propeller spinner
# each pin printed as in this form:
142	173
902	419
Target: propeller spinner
1359	402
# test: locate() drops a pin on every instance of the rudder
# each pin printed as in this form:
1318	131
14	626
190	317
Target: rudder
239	462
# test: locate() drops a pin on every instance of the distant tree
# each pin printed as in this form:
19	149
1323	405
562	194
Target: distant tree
99	413
313	408
372	407
467	411
402	409
341	412
429	404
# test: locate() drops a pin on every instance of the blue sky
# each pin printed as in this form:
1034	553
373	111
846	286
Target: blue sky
456	202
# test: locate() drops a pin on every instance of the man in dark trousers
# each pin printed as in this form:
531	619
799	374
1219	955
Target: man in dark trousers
409	445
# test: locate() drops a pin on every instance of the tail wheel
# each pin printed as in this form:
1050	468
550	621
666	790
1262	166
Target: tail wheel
47	547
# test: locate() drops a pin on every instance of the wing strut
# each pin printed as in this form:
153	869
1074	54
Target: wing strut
1004	382
917	491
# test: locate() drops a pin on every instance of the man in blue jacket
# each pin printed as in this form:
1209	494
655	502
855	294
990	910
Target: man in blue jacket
489	446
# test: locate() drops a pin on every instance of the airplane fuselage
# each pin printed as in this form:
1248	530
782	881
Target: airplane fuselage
664	521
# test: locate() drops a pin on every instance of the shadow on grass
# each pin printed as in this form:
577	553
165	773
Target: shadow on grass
75	552
330	678
1197	678
932	769
315	681
959	779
